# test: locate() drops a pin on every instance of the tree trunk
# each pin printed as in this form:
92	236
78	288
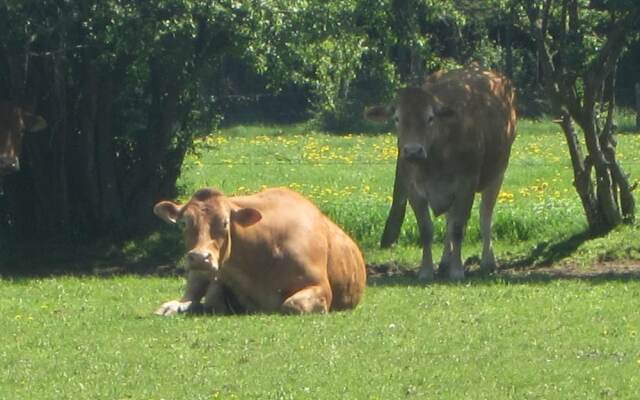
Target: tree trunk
637	90
581	173
88	109
508	43
111	211
59	196
142	188
622	191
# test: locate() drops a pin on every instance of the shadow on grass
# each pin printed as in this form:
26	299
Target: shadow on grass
547	262
159	253
154	254
613	273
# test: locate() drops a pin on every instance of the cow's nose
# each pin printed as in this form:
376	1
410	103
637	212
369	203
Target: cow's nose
414	152
9	164
200	257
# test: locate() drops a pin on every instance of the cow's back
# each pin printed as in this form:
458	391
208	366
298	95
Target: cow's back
485	101
345	268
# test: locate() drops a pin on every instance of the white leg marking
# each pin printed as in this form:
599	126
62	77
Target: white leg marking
173	307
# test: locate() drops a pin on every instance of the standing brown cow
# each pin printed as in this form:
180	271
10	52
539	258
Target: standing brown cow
454	139
14	122
270	252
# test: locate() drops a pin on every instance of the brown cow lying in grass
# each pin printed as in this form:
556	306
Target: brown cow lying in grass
273	251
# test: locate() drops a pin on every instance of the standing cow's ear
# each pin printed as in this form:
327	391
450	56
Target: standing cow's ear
379	113
33	123
167	211
246	216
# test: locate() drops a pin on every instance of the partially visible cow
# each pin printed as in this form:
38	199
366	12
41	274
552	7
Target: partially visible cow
269	252
14	122
454	139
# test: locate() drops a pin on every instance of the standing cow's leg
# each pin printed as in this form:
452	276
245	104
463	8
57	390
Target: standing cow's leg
489	197
312	299
197	284
398	208
425	226
457	218
445	260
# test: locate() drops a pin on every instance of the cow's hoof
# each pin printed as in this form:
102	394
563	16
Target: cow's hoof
426	274
456	274
173	307
443	269
488	268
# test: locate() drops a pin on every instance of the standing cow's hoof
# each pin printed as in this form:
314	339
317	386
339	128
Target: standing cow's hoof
456	274
173	307
426	274
488	268
443	270
488	263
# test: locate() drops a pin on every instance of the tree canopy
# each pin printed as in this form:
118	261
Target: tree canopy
126	85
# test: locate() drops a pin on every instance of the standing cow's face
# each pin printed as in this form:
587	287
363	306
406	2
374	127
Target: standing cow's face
420	121
206	221
14	122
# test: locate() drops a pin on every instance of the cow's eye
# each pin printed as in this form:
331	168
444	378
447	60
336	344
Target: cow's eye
430	119
225	224
396	119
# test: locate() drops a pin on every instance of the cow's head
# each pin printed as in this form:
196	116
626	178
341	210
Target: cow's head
14	122
207	221
420	118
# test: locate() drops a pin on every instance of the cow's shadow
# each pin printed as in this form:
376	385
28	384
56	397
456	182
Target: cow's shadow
537	266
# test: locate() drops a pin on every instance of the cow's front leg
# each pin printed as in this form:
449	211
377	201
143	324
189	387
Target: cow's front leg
173	307
457	219
197	284
214	299
312	299
421	210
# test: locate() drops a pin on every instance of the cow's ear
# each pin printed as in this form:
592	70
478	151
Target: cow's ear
379	113
443	111
167	211
246	216
33	123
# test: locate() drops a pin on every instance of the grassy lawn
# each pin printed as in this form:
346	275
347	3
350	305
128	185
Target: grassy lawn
503	336
95	339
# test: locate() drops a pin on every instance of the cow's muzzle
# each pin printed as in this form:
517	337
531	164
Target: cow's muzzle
202	259
414	152
9	165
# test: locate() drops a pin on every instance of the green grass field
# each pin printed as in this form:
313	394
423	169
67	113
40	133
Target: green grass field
95	339
495	337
